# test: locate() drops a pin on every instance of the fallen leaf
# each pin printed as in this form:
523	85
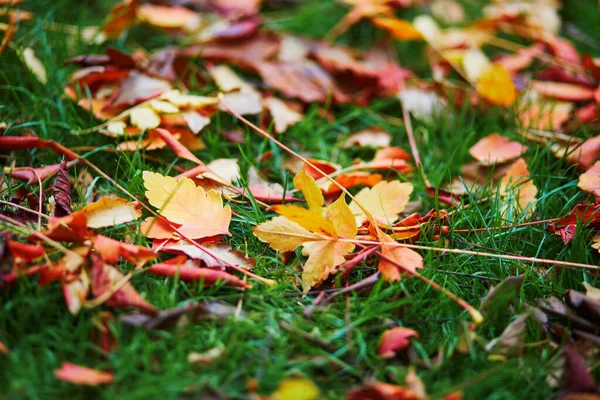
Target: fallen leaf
170	17
448	11
200	214
413	383
589	181
194	311
563	91
580	214
79	375
475	63
296	389
584	155
24	253
511	339
384	201
316	229
375	390
521	59
195	121
138	87
104	278
399	28
220	254
244	102
395	339
34	65
111	250
62	191
206	358
516	185
424	105
144	117
495	85
374	136
271	193
110	211
283	115
396	258
349	180
178	148
577	381
496	148
188	272
499	298
3	348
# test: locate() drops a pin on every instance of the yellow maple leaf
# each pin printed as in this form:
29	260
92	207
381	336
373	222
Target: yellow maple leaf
495	85
384	201
317	229
200	213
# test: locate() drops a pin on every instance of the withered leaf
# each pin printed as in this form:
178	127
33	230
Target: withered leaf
62	191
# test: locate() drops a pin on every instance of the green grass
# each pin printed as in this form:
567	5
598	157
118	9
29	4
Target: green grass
36	325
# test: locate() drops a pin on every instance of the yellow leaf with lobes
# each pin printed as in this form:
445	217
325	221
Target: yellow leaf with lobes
317	229
200	214
307	185
384	201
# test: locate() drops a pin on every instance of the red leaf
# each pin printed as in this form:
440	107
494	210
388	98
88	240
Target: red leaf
376	390
190	273
179	149
111	250
395	339
78	375
29	142
582	213
563	91
71	228
62	191
104	277
31	174
24	252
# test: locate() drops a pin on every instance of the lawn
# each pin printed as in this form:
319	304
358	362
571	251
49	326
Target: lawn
269	334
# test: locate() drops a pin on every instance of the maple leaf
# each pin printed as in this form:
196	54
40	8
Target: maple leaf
317	229
200	214
384	201
396	258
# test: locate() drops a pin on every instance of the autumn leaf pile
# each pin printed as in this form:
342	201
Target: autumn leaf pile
334	222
